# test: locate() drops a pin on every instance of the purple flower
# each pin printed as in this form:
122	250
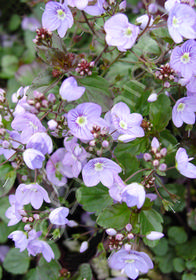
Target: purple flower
55	169
30	23
40	141
191	85
126	125
28	124
95	10
79	4
84	246
100	170
183	165
33	158
20	239
183	59
182	22
39	246
70	91
57	16
33	194
117	188
120	33
75	157
15	211
58	216
131	262
184	111
82	118
9	152
134	195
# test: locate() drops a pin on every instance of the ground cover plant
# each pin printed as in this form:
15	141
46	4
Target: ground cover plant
97	140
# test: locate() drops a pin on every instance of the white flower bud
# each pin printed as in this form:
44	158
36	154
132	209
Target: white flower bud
84	246
154	235
111	231
152	97
72	223
128	227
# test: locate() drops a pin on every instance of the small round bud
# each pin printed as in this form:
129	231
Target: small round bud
155	162
127	247
166	84
105	144
36	217
25	219
99	152
111	231
152	97
152	8
128	227
51	98
92	143
147	157
162	167
45	103
52	124
31	219
24	178
130	236
5	144
163	152
84	246
27	227
119	236
158	155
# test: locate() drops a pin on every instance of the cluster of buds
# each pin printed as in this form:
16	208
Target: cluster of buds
165	73
84	67
39	101
43	37
117	240
2	97
58	127
146	125
101	142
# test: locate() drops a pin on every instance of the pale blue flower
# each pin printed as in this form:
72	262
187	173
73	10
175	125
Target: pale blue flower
183	165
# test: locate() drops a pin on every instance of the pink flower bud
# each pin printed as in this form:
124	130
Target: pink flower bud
111	231
128	227
105	144
119	236
163	167
163	152
84	246
155	162
147	157
27	227
36	217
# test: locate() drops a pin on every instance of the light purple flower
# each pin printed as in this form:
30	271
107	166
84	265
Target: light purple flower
30	23
182	22
58	216
40	141
55	169
75	158
33	158
143	20
82	118
183	165
183	59
120	33
184	111
100	170
8	153
20	239
126	125
131	262
15	211
117	188
57	16
95	10
32	193
169	4
79	4
154	235
70	90
28	124
134	195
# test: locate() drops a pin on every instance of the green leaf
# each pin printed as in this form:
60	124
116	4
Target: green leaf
192	219
184	251
94	199
177	234
97	91
161	248
135	147
179	264
116	216
1	272
166	262
14	23
45	271
4	232
16	262
150	220
9	65
83	273
7	181
188	276
191	264
4	202
160	112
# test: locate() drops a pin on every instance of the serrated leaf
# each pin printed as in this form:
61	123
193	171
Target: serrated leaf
116	216
16	262
94	199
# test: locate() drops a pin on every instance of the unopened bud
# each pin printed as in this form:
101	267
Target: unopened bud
128	227
152	8
154	235
111	231
127	247
72	223
99	152
155	162
36	217
105	144
92	143
52	124
31	219
25	219
27	227
162	167
163	152
51	98
166	84
147	157
5	144
84	246
119	236
152	97
130	236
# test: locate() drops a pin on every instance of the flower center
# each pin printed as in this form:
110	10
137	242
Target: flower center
128	32
129	261
123	124
98	166
61	14
33	125
175	22
180	107
185	58
81	121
